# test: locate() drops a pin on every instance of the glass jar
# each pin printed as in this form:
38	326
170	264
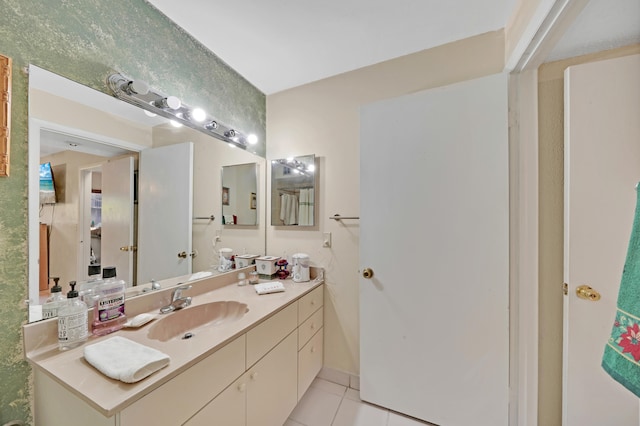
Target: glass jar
254	277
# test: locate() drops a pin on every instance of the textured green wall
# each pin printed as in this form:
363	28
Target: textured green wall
86	40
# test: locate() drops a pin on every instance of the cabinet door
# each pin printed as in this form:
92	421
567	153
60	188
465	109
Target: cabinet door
272	385
228	409
310	362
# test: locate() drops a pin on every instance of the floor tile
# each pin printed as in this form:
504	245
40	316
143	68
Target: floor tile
352	394
400	420
328	386
290	422
355	413
316	408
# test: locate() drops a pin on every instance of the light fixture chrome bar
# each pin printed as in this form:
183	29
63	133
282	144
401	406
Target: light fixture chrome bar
138	93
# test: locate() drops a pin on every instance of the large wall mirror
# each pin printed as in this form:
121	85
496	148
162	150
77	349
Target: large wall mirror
293	191
122	188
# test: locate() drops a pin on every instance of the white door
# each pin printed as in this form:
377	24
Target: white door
602	167
165	212
117	217
434	229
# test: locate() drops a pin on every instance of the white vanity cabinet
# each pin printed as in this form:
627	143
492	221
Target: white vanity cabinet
284	355
310	338
254	380
267	392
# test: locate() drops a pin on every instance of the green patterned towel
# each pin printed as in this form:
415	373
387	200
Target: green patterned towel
621	357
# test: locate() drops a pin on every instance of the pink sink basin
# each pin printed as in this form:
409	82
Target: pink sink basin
179	323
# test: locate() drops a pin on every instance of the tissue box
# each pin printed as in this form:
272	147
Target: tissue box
245	260
266	266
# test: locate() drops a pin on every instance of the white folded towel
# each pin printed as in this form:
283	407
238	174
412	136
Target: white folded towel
199	275
125	360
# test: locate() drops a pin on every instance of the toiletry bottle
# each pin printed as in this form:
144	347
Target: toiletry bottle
86	289
108	307
73	327
50	307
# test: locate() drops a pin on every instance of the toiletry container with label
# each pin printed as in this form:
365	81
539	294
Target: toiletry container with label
108	305
86	289
73	323
50	307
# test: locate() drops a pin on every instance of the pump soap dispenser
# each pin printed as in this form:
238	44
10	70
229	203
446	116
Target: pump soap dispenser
73	323
50	307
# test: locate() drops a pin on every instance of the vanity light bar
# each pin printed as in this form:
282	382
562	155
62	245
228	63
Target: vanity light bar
138	93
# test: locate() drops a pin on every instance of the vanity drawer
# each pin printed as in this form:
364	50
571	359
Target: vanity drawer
310	362
175	401
310	303
308	328
262	338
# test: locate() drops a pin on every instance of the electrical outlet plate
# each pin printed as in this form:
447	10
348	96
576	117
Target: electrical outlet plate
326	239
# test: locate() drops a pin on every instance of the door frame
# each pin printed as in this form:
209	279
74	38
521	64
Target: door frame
35	127
547	25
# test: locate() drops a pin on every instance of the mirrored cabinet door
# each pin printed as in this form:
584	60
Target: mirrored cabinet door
293	191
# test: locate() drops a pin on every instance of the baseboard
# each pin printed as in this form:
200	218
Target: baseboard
340	377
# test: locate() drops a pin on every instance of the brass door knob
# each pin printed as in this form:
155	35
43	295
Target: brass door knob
587	293
182	255
367	273
128	248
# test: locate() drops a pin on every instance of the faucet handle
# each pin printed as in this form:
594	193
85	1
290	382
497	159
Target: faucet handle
177	293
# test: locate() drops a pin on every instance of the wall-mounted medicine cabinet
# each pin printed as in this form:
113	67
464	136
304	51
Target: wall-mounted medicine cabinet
293	191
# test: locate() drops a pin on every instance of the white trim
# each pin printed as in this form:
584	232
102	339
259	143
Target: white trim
551	19
549	31
523	152
529	34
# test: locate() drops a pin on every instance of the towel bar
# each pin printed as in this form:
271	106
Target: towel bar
209	218
338	217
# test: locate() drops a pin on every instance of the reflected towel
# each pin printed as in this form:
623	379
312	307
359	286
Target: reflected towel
289	209
306	207
125	360
621	357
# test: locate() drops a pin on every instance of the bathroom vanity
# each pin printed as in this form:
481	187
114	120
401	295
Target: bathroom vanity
247	371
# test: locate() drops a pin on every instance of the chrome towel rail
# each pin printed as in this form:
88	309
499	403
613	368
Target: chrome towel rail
338	217
209	218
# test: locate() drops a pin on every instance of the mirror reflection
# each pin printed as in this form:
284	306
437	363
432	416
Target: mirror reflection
107	203
240	194
293	189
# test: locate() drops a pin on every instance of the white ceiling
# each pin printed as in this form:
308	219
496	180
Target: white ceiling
602	25
279	44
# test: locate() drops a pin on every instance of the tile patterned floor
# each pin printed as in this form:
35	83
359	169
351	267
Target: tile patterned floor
330	404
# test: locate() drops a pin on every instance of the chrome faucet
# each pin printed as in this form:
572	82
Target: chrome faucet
154	286
177	300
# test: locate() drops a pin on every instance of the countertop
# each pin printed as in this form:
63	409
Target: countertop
109	396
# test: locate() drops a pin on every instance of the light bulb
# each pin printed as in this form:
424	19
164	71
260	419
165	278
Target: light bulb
198	115
311	168
252	139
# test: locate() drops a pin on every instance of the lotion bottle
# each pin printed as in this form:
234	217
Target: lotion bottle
73	327
108	308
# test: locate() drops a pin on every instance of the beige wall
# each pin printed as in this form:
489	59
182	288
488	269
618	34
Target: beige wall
322	118
209	156
551	181
62	217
